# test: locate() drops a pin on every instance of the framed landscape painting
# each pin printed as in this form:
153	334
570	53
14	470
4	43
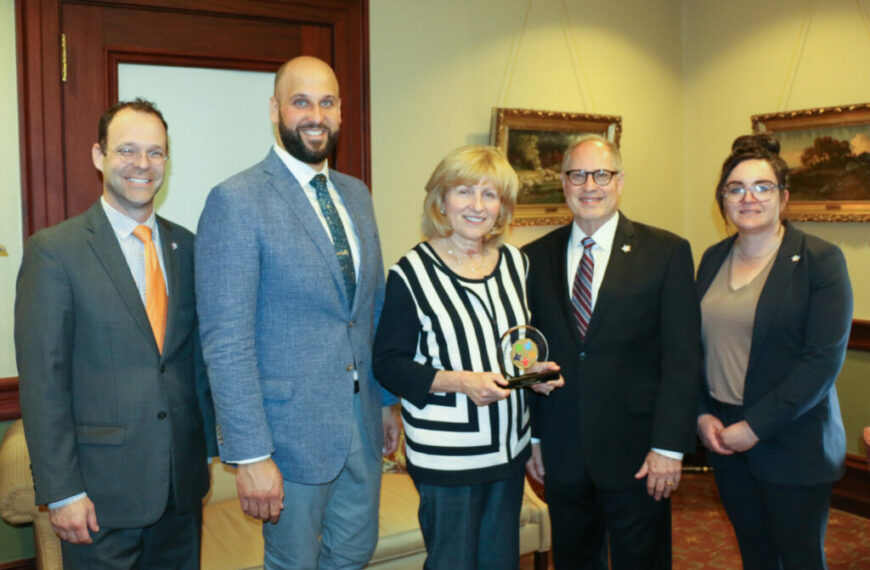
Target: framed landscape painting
533	142
828	154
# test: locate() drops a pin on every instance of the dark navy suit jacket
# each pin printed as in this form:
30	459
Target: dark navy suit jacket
799	340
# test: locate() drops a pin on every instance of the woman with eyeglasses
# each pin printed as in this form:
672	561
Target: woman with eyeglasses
776	312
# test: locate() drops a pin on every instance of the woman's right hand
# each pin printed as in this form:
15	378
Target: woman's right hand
483	388
709	429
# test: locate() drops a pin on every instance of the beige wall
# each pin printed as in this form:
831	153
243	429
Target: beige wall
684	74
437	72
737	66
737	58
10	185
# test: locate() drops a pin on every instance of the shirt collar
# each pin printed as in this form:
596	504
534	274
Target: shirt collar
302	172
124	225
603	237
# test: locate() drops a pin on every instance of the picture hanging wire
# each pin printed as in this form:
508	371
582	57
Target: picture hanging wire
577	67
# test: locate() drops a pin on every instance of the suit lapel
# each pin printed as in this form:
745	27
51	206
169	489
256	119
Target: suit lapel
170	260
291	192
771	294
104	243
615	274
710	267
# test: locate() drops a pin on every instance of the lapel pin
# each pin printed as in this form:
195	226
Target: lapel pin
795	258
626	248
173	245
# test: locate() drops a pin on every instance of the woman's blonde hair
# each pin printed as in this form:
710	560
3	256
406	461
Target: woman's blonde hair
468	165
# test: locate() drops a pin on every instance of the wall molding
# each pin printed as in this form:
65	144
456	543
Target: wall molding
859	339
9	406
26	564
852	492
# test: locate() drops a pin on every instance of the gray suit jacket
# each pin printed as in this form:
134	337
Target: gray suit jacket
280	339
103	411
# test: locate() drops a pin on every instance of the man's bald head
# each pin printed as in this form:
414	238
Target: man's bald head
306	109
304	68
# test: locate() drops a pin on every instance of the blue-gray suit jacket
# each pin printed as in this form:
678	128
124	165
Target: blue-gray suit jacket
280	339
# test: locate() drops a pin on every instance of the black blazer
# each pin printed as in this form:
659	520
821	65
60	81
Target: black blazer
633	383
104	412
799	340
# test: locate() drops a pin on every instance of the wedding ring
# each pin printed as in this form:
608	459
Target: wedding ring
670	483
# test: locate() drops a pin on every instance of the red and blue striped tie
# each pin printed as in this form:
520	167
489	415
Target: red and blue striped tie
581	292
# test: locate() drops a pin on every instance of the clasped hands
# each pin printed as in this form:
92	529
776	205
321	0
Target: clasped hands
723	440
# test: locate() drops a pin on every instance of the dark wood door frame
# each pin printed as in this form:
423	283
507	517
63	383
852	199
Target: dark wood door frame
39	26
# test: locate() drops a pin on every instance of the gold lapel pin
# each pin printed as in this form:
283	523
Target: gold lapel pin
626	248
795	258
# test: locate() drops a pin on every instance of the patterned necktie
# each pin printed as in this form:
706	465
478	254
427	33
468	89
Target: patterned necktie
339	238
155	287
581	292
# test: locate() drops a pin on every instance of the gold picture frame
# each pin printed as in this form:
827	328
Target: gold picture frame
827	150
533	142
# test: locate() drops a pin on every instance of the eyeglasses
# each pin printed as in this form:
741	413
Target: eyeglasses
763	191
130	154
601	176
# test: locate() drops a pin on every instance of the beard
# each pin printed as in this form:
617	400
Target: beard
294	144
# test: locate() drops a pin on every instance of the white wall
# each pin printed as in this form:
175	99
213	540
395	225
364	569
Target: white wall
10	186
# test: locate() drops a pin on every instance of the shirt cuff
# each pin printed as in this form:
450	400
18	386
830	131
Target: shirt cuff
536	440
670	454
252	460
67	501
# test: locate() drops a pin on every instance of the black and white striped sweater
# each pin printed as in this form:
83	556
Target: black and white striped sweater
436	320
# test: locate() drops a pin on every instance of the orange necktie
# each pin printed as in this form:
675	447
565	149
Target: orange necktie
155	287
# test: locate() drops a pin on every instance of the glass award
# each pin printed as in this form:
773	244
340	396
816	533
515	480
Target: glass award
519	349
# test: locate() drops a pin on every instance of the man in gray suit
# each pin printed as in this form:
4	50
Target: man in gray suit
113	391
290	283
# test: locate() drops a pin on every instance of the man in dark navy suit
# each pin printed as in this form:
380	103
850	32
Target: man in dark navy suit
617	303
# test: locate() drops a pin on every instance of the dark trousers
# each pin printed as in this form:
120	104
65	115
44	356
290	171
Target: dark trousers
473	526
777	526
171	543
584	517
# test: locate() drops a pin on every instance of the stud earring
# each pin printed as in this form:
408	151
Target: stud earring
443	211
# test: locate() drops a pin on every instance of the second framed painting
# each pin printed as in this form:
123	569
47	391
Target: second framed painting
828	154
533	142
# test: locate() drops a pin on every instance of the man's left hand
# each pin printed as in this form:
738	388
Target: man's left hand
662	474
392	428
546	387
738	437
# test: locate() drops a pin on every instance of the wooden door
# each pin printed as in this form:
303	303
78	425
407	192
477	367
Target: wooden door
69	52
88	39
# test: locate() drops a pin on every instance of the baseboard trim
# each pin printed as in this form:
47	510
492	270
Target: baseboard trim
28	564
852	492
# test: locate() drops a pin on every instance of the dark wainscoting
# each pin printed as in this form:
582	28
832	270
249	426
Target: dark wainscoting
852	492
28	564
9	407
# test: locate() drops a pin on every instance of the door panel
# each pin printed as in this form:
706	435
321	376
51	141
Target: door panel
59	119
218	125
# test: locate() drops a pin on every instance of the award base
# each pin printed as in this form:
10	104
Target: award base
527	380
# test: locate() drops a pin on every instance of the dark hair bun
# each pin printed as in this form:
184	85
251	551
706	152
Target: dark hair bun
763	142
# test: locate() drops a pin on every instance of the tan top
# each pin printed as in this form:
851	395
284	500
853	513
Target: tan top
727	320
